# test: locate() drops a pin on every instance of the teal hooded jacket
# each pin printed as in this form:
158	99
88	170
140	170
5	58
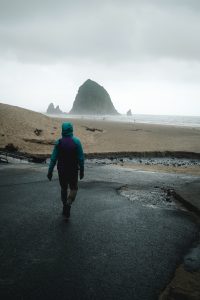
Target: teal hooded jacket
69	141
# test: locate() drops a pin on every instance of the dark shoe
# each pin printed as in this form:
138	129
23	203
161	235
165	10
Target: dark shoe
66	210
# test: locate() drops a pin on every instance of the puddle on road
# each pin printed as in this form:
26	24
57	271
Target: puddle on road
154	198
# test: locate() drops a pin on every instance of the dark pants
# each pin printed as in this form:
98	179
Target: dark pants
68	181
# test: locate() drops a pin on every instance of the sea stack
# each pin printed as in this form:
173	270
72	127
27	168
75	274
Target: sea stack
53	110
129	112
93	99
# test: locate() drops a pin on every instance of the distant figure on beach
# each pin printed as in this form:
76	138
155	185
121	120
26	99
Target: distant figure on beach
68	154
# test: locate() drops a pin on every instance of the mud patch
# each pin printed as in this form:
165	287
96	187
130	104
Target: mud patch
154	198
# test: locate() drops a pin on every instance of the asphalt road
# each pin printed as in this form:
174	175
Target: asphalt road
111	248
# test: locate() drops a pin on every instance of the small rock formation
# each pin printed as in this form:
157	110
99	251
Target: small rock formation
53	110
93	99
50	109
58	110
129	112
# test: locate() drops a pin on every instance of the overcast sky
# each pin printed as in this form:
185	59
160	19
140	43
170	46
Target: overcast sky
146	53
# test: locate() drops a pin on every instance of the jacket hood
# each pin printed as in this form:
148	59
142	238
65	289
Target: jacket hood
67	129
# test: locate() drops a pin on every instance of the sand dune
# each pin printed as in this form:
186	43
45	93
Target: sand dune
17	126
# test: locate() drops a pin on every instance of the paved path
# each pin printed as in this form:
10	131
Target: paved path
111	248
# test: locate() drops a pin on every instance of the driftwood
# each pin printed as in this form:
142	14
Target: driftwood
42	142
93	129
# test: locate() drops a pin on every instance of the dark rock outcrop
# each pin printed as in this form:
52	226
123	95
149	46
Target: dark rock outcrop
129	112
93	99
53	110
11	148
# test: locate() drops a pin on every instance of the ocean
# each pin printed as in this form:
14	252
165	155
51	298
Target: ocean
189	121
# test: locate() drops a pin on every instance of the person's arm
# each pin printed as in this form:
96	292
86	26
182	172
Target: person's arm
54	158
80	156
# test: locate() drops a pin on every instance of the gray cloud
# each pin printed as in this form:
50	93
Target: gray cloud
102	31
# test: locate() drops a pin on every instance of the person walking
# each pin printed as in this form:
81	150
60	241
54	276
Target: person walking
68	154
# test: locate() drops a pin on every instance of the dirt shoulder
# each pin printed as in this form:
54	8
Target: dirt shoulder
185	285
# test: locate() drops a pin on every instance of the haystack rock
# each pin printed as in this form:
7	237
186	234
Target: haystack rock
53	110
93	99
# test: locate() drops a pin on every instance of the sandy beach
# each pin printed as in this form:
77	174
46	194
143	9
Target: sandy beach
18	126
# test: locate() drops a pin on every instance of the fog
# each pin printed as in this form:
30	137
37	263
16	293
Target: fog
146	54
